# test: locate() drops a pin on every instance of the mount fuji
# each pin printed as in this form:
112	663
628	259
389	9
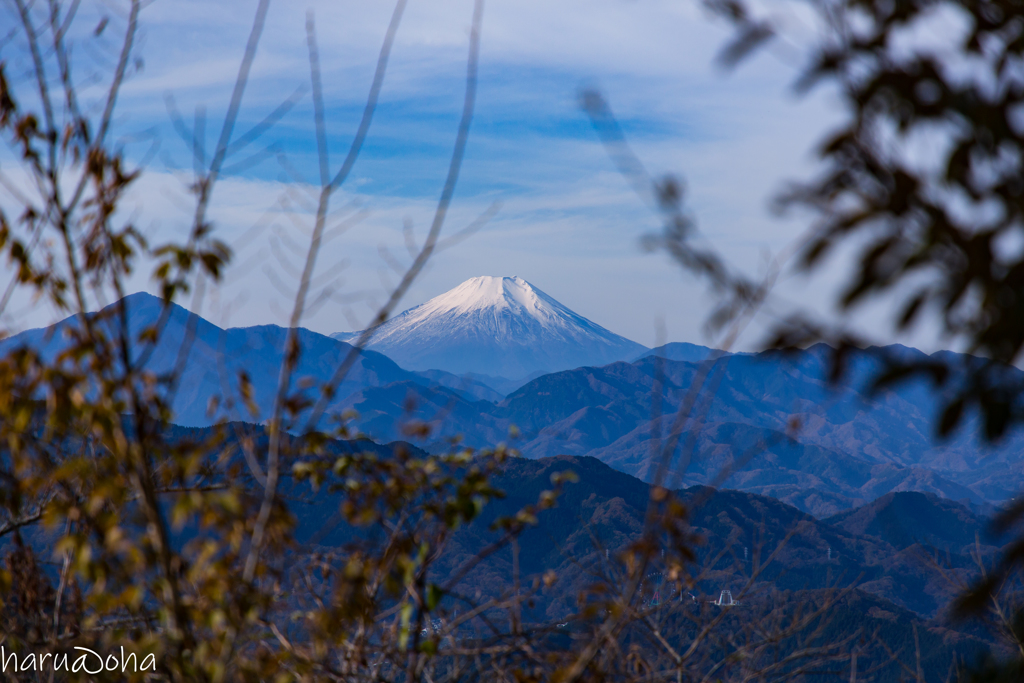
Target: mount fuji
496	326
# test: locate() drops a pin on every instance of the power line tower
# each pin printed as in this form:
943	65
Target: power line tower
725	599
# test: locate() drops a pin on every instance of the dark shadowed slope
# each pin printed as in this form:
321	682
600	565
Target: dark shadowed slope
904	518
605	510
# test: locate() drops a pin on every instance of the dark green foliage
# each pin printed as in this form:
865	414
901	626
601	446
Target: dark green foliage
923	239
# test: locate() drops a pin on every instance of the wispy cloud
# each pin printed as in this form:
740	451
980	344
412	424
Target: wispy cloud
568	222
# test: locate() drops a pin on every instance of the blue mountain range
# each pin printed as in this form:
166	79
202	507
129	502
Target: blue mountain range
773	417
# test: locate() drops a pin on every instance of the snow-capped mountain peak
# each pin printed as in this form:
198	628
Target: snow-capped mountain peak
496	294
497	326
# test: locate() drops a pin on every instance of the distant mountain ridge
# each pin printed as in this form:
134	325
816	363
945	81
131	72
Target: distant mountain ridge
496	326
684	351
217	356
848	447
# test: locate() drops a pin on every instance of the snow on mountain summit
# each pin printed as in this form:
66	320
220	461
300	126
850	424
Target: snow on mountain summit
497	326
494	292
498	304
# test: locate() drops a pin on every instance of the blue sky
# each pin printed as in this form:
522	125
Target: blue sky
568	222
